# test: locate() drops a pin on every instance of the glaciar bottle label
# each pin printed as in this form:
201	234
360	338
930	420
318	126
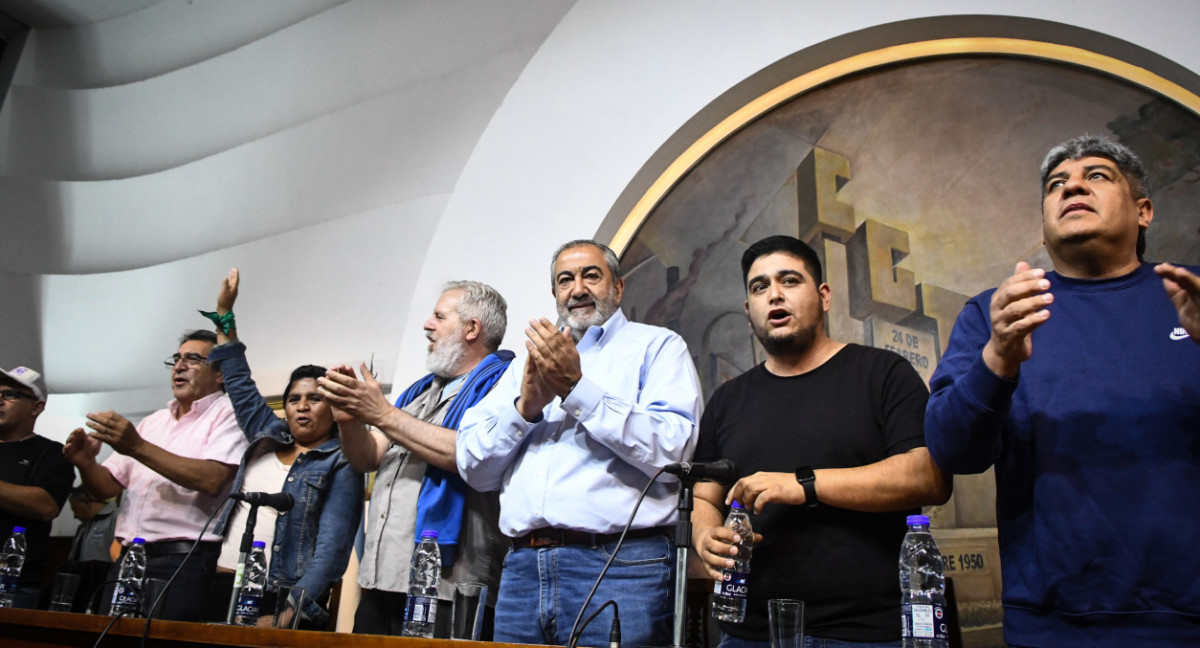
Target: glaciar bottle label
732	585
8	583
924	621
421	609
125	598
248	606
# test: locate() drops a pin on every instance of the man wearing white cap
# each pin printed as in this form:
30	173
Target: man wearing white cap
34	477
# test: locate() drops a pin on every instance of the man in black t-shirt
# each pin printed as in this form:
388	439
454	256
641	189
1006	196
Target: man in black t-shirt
831	437
34	476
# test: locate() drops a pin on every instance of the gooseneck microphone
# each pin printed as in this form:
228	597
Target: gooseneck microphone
721	471
277	501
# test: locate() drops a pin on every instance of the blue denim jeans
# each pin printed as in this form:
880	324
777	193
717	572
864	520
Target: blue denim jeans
728	641
542	590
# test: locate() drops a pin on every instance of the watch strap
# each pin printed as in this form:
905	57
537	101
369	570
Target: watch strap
808	481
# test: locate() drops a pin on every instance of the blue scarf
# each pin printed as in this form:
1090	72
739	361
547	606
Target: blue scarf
443	494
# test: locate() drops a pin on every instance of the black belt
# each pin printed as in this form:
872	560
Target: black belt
175	547
562	537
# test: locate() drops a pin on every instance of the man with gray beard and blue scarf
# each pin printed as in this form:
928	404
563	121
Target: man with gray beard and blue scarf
411	446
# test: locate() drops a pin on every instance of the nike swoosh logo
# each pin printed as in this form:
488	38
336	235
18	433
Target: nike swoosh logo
1179	334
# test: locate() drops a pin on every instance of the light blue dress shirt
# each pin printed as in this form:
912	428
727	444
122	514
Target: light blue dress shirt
583	465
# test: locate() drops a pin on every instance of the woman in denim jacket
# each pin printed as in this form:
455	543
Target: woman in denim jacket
300	455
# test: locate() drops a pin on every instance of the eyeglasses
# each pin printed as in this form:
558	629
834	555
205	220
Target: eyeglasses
12	395
188	359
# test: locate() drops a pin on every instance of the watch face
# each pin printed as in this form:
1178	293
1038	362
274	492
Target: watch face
807	479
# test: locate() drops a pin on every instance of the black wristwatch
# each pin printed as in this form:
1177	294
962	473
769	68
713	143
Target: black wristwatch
807	479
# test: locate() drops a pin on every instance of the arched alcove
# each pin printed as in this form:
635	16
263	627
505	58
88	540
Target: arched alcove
911	165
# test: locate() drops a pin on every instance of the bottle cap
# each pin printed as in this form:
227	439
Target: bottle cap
428	533
736	504
918	520
18	529
139	541
259	543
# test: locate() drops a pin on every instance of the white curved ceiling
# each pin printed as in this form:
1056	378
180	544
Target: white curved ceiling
146	147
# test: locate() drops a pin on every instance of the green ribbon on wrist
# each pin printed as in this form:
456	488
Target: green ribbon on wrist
224	323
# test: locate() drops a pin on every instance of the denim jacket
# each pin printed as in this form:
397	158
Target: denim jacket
312	542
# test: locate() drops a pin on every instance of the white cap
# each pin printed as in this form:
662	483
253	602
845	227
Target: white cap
29	378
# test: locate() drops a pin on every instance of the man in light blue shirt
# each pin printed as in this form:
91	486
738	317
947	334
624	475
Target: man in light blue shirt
570	437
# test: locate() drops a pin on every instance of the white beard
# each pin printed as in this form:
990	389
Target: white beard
605	308
445	357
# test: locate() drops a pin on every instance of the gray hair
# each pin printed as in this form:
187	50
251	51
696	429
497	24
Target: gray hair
610	257
198	335
483	303
1083	146
1128	163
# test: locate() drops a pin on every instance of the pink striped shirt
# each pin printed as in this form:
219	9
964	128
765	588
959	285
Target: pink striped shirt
154	507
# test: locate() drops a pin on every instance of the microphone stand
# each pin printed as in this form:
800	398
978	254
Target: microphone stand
247	544
683	540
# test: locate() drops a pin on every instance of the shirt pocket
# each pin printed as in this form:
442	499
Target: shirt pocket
316	487
316	491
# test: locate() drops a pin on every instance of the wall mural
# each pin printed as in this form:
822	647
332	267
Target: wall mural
918	184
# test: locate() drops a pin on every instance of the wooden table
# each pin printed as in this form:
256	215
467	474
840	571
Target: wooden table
39	629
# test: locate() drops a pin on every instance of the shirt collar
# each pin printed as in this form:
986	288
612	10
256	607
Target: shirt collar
453	384
597	335
198	407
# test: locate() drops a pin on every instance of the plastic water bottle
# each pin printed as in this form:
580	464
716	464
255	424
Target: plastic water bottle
922	588
421	611
127	595
11	561
249	603
729	593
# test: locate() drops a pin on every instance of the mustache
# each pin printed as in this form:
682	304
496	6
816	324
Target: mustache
582	300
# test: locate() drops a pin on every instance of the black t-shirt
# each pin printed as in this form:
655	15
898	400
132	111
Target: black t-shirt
860	407
36	461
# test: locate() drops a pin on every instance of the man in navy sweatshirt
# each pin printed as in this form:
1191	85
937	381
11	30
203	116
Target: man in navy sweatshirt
1082	386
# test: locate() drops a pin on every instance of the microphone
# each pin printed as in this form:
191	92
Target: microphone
721	471
277	501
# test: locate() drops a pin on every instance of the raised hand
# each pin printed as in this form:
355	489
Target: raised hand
228	293
361	399
1183	287
80	448
115	430
535	395
1018	307
554	353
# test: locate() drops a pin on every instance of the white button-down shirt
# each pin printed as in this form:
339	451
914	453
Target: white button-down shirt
583	465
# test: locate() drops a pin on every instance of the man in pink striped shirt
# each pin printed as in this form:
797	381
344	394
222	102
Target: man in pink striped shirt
175	468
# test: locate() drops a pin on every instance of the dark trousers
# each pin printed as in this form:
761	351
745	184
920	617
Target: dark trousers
382	613
184	600
216	605
92	576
